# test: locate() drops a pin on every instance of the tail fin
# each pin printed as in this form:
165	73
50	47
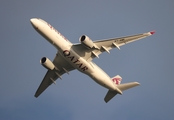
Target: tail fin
117	79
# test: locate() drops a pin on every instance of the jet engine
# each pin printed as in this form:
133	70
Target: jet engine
87	42
47	63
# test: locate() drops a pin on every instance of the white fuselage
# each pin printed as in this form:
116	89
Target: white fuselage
65	48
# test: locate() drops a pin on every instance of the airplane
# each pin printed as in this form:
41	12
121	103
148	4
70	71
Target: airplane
79	56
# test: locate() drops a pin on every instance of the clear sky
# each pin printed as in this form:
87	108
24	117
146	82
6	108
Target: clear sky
149	61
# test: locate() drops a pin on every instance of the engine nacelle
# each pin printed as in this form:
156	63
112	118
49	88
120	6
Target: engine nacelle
47	63
86	41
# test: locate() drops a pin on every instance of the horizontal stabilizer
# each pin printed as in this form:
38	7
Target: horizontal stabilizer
126	86
110	94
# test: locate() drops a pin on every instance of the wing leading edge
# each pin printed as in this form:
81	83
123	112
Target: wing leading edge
51	76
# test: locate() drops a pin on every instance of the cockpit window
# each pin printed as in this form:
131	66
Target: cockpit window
42	21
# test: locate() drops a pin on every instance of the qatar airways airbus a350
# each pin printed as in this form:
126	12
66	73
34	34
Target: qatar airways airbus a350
79	56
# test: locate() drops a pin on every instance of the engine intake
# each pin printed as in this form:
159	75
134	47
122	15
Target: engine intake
87	42
45	62
83	38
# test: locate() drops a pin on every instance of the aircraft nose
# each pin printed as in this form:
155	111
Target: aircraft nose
33	21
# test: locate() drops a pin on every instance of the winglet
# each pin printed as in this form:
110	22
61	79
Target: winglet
152	32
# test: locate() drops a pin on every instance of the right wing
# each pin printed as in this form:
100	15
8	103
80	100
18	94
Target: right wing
106	45
51	76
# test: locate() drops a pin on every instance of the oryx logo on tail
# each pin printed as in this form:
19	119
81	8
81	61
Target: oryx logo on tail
117	79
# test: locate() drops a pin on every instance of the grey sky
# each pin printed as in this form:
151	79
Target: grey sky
77	97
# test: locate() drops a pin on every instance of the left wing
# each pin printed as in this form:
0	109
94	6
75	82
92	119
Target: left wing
106	45
51	76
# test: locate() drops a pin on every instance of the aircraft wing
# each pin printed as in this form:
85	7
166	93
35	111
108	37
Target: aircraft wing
108	44
51	76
